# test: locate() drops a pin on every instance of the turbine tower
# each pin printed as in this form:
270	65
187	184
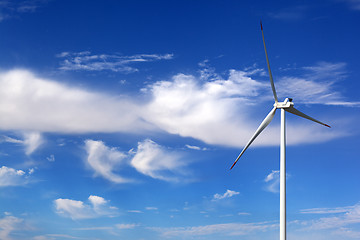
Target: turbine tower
286	106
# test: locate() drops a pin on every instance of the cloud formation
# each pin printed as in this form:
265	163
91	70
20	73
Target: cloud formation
86	61
30	103
10	9
150	159
340	220
13	177
226	229
218	111
31	141
316	85
157	162
104	160
227	194
354	4
290	13
97	207
8	225
126	226
273	181
327	210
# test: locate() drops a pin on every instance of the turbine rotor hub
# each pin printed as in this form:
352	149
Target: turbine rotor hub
287	103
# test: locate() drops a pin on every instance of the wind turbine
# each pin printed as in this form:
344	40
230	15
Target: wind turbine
286	106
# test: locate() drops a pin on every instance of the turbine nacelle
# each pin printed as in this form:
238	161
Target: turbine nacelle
287	103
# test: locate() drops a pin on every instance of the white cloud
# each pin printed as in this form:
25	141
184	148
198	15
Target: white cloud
326	71
205	111
273	181
87	61
346	232
243	213
13	177
97	201
104	160
151	208
55	236
290	13
126	226
11	140
31	171
195	147
351	216
10	225
150	159
316	85
74	209
354	4
192	147
31	141
340	222
29	103
227	194
94	228
11	9
51	158
227	229
326	210
207	73
157	162
42	237
134	211
218	111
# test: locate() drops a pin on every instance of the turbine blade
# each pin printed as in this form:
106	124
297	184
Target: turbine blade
262	126
298	113
268	65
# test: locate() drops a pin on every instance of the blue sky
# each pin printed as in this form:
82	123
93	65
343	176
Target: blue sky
121	119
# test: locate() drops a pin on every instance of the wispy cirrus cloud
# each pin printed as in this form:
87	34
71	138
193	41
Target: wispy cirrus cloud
86	61
226	229
126	225
327	210
290	13
74	209
55	237
31	141
7	225
316	85
354	4
9	9
11	225
135	211
151	208
339	221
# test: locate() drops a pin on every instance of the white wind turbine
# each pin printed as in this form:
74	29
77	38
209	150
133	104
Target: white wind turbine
287	106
